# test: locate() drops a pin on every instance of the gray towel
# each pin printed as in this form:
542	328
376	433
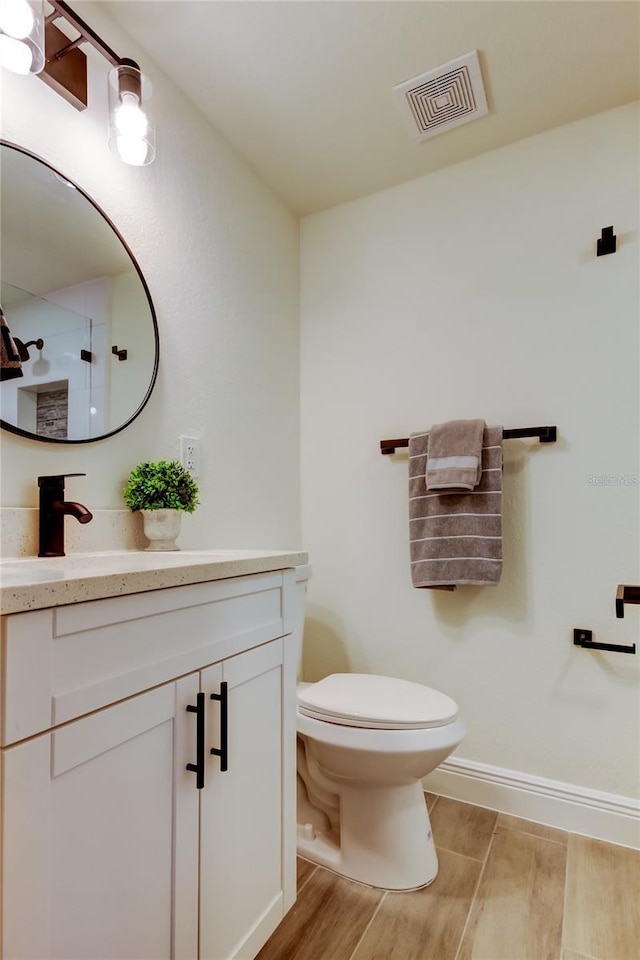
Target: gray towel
10	365
455	455
455	537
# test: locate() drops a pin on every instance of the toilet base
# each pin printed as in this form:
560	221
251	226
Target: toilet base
385	838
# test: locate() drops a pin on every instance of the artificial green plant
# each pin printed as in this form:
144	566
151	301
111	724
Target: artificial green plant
161	485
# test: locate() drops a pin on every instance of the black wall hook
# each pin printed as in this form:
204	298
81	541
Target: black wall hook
607	242
120	354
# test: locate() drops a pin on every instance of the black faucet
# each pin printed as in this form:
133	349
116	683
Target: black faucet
53	509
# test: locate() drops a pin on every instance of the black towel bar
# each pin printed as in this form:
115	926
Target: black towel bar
544	435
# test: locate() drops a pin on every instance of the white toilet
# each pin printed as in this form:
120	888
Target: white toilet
364	744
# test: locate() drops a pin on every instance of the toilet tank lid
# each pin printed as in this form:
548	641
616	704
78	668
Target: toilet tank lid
370	700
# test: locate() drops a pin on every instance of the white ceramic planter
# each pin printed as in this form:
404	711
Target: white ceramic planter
161	527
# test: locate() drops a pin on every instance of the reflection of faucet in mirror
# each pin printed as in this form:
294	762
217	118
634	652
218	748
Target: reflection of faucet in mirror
53	509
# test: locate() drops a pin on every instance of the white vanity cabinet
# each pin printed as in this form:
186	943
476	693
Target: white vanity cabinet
89	851
111	846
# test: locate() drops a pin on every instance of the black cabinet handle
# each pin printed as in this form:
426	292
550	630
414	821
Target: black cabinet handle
223	750
198	767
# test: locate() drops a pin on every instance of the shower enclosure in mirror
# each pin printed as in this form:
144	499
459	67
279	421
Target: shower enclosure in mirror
76	305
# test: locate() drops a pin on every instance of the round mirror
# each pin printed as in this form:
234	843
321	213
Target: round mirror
80	327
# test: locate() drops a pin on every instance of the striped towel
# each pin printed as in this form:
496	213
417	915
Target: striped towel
10	365
456	537
454	460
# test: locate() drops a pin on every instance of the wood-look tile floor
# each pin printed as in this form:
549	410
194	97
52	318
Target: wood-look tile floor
507	889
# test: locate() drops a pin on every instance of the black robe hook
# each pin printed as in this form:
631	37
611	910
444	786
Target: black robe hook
606	243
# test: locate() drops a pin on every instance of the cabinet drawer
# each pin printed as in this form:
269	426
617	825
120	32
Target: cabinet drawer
64	662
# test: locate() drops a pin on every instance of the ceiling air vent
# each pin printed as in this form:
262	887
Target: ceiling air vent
443	98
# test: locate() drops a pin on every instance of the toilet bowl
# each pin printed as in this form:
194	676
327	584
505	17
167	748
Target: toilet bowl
364	744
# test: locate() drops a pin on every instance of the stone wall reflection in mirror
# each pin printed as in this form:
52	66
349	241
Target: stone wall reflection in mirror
69	279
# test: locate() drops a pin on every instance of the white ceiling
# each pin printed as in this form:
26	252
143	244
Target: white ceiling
303	88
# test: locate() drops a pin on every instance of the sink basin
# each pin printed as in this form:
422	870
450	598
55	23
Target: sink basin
41	569
15	574
32	570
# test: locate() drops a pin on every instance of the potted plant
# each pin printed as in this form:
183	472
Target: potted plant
161	491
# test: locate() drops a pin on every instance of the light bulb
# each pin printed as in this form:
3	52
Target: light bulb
130	120
15	55
132	150
16	19
131	133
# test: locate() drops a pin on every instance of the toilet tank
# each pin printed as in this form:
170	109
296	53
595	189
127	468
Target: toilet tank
302	577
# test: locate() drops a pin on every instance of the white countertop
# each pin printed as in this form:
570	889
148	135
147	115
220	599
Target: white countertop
33	583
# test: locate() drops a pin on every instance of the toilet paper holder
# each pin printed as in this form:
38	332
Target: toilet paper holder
583	638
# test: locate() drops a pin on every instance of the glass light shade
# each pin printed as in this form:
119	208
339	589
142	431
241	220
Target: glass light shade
22	35
131	132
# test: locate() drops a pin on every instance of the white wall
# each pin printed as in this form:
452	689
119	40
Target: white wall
475	292
220	255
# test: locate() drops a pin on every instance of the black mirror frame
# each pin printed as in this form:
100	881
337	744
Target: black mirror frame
103	436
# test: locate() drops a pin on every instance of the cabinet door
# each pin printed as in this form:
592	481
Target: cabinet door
242	875
100	834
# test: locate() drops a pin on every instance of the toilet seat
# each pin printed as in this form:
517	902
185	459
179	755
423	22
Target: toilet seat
375	702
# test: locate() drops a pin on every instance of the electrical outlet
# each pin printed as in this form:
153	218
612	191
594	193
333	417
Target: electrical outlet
190	455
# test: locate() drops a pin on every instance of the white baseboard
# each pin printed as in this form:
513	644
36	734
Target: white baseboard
604	816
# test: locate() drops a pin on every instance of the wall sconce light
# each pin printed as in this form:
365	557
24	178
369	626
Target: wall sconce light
30	42
131	134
